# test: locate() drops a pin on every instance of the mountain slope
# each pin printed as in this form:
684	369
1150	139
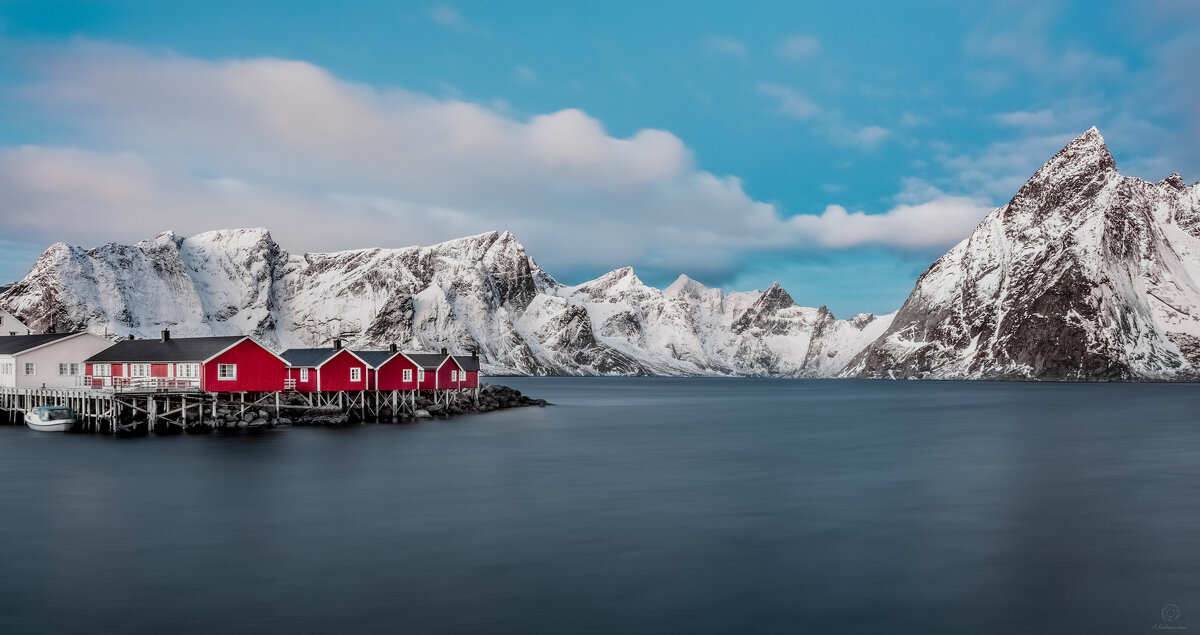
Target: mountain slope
476	293
1084	274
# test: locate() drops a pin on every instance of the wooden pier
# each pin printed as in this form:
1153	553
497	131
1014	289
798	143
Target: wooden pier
128	411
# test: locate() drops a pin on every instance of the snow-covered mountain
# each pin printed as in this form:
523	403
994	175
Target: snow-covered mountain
482	292
1084	274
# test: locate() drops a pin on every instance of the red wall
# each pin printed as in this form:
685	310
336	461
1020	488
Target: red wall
257	369
391	374
335	373
304	386
472	380
443	374
430	381
158	370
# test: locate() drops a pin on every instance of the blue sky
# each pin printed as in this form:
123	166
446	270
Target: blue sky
835	148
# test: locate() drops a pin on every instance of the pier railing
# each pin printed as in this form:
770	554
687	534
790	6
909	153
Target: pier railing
142	384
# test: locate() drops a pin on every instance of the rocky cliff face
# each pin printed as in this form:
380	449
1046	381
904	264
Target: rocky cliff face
478	293
1084	274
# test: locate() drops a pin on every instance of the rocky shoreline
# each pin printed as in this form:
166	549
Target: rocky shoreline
491	397
231	417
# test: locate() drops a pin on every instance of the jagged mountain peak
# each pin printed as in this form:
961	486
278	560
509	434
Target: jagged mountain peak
1085	274
1064	186
685	286
1174	181
1087	152
776	295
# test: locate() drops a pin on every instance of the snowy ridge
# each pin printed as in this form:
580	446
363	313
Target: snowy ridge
476	293
1084	274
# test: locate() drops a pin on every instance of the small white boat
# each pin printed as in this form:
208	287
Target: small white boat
50	418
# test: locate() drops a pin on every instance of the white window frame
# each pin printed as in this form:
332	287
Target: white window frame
356	374
304	374
420	375
64	368
226	372
74	367
30	369
139	370
7	368
454	375
407	374
187	371
102	370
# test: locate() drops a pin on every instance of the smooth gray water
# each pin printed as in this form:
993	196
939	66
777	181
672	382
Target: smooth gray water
634	505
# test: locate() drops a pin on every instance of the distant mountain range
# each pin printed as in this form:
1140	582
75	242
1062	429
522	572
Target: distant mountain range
1085	274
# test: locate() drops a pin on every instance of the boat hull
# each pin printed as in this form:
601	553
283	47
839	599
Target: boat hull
57	425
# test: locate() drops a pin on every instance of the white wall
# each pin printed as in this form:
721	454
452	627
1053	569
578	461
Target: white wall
46	359
10	324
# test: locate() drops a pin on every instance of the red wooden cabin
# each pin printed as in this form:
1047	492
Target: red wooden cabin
392	370
235	363
468	370
327	369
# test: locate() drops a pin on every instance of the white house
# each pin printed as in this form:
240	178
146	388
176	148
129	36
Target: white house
10	325
51	360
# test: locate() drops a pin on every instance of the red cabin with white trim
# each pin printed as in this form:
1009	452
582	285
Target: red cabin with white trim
328	369
213	364
469	370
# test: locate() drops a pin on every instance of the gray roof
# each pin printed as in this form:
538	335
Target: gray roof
12	344
469	363
427	361
181	349
307	357
375	359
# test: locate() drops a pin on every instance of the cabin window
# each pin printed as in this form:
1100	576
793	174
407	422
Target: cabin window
68	369
356	374
30	368
6	369
420	374
139	370
187	371
226	371
62	368
102	370
454	375
407	374
303	374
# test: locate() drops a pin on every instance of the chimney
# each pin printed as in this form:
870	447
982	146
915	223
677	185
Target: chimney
392	348
131	336
444	351
166	335
337	345
475	354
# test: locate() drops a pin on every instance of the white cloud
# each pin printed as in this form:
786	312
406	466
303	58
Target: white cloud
912	120
525	75
727	46
446	16
794	104
327	164
790	102
925	217
798	47
869	137
1025	119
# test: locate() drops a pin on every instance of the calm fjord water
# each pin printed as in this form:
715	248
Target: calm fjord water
634	505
